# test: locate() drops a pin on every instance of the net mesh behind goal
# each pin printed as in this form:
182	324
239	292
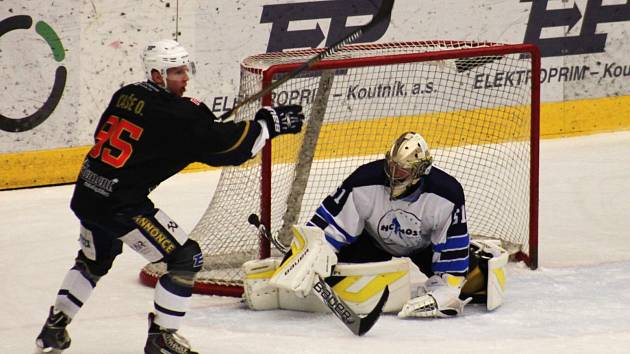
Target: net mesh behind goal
476	104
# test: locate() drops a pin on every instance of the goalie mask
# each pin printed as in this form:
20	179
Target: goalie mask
406	162
163	55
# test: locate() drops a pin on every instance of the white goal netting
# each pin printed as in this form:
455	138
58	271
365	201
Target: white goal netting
471	101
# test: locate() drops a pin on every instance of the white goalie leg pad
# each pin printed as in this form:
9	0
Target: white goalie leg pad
364	283
496	271
361	288
311	256
258	293
288	300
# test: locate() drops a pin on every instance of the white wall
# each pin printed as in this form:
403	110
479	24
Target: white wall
103	41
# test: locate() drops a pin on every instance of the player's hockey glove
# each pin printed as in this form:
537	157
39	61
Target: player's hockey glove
281	119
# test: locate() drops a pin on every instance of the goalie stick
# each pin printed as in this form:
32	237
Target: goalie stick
254	220
358	325
383	12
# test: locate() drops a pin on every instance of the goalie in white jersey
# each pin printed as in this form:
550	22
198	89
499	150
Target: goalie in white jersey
400	206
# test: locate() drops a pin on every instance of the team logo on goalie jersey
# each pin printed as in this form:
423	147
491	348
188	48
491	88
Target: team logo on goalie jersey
399	227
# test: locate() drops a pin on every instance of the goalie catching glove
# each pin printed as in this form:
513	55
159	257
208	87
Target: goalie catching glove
441	298
281	119
310	256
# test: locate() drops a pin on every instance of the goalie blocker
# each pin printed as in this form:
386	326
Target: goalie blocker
360	285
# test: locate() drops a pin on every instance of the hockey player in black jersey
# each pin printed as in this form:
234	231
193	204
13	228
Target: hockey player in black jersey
149	132
400	206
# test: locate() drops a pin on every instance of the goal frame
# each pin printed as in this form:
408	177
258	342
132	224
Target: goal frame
459	49
530	259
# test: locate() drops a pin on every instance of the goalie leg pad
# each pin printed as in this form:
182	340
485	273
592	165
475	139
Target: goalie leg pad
363	284
258	293
359	285
496	280
488	278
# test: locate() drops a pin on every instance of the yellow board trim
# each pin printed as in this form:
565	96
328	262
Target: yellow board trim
51	167
583	117
558	119
36	168
374	287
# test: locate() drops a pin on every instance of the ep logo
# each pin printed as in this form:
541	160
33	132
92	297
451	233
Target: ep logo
587	41
281	15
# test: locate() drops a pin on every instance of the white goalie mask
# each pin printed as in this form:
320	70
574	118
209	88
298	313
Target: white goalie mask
406	162
163	55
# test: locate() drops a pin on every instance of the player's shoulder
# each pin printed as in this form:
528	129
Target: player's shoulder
196	104
446	186
369	174
192	109
130	94
141	88
150	89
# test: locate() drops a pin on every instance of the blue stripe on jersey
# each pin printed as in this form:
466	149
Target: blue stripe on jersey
333	242
324	214
453	242
455	266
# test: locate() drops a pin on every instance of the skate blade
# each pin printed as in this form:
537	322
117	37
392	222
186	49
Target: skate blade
39	349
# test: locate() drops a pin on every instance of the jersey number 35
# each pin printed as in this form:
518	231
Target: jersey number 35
110	146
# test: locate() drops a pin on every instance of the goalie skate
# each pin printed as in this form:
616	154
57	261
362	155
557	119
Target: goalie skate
165	341
54	338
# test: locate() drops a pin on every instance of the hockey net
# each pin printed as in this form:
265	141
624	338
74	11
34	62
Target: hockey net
476	104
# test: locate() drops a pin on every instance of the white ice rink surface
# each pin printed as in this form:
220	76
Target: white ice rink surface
577	302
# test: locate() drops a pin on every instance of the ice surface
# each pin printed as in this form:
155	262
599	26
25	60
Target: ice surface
577	302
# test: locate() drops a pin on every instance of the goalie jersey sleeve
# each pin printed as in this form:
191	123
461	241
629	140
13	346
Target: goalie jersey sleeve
432	216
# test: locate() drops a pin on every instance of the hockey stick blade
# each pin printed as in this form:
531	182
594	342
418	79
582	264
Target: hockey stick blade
370	319
383	12
358	325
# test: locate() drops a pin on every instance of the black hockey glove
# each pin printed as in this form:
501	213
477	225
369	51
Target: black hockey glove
281	119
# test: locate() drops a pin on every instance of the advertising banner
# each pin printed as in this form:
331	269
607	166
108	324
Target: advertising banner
60	62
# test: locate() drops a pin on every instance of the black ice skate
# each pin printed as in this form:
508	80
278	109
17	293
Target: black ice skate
54	337
165	341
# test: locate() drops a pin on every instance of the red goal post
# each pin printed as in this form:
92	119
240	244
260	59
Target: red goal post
476	103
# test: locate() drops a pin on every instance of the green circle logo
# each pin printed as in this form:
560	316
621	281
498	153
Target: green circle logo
16	125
